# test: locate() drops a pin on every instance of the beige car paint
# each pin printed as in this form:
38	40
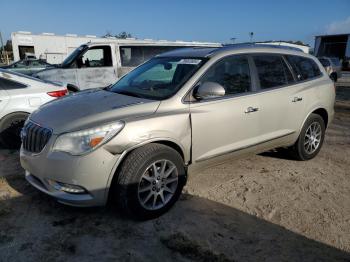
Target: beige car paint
204	132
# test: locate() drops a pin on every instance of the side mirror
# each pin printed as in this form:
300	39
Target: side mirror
209	90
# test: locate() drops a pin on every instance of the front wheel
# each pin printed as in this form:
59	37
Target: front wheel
334	77
150	181
10	129
310	139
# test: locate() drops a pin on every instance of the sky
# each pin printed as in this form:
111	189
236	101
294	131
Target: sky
189	20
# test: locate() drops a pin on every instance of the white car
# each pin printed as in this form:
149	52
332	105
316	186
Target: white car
20	95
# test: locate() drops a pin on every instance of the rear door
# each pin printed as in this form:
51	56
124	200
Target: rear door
95	68
224	125
302	94
281	102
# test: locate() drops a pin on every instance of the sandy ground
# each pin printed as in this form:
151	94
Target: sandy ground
264	207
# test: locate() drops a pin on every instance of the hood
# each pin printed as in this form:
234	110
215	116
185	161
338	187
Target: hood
90	108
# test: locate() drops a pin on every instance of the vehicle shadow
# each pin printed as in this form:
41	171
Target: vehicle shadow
280	153
35	227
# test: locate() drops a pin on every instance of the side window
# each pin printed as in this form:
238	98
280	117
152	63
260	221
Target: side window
305	68
35	63
324	62
132	56
9	84
100	56
272	71
20	64
232	73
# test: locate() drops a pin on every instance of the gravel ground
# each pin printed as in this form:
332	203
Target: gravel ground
264	207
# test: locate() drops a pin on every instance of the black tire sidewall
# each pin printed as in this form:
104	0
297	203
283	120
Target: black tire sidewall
130	177
301	149
8	138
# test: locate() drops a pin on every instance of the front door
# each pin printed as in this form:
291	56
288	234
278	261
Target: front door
227	124
95	68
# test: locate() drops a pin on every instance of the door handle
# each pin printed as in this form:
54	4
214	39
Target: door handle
297	99
251	110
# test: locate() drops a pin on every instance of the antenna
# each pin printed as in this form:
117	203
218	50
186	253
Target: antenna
251	34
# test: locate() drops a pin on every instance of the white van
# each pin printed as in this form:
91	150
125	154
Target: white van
98	65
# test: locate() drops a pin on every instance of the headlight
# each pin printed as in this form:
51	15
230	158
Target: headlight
80	142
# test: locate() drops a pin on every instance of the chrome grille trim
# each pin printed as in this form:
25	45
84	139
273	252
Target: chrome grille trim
35	137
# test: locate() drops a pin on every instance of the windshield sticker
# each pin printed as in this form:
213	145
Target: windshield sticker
188	61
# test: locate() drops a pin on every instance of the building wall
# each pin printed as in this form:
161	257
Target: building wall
333	45
54	48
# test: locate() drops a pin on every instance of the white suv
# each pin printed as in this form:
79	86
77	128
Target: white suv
20	95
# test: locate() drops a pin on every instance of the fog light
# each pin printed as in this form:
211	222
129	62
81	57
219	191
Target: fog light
72	189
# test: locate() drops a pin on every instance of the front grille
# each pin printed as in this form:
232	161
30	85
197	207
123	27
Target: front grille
34	137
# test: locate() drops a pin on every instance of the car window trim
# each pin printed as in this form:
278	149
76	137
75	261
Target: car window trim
188	98
308	79
92	48
292	71
14	81
290	68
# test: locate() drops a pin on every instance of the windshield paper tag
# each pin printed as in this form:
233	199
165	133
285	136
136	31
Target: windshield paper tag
190	61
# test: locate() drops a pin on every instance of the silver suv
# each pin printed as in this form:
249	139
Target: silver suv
137	141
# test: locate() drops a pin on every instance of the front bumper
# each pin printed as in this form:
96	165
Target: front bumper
93	172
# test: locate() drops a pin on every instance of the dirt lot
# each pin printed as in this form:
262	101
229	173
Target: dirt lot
264	207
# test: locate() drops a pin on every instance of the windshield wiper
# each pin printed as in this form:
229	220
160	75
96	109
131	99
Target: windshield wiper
127	93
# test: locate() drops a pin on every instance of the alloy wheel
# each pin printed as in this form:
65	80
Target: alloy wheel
158	184
312	138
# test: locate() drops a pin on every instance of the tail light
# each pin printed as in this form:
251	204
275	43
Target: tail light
58	93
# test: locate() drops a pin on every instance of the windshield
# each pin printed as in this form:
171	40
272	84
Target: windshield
73	55
159	78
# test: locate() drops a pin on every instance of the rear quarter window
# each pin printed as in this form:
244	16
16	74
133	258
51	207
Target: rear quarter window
272	71
304	68
9	84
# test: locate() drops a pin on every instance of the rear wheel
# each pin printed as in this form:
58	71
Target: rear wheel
334	77
310	139
150	181
10	130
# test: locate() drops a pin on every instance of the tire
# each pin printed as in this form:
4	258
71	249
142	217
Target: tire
334	77
10	128
137	174
310	140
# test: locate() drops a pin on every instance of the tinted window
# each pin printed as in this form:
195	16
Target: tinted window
8	84
20	64
37	63
305	68
132	56
272	71
232	73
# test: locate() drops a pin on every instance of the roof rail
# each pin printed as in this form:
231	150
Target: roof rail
257	45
